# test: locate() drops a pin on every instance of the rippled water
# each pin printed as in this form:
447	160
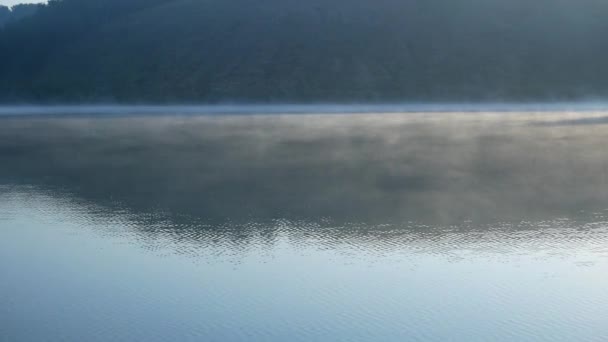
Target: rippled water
386	227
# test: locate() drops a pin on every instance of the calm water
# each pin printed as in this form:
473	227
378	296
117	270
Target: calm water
391	227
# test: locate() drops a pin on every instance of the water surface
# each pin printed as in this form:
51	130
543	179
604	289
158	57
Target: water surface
390	227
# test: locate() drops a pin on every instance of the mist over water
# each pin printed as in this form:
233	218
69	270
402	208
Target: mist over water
413	226
240	108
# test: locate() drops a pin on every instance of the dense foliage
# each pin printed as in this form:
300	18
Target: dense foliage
315	50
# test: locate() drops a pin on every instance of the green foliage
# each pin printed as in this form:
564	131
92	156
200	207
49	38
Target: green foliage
297	51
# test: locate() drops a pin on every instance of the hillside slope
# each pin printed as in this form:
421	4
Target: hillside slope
17	12
321	51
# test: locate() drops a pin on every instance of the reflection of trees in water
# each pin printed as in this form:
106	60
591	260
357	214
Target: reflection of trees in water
167	232
363	168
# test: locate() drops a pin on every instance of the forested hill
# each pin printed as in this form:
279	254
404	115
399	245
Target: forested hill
17	12
306	51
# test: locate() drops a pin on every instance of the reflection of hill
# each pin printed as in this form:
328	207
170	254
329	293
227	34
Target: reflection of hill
364	169
162	233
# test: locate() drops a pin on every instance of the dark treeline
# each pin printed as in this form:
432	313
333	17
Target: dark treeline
296	51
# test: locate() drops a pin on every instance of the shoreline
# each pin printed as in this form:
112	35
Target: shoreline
243	109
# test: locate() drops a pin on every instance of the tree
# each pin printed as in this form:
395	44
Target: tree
297	51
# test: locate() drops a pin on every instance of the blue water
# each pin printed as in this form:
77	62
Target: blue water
399	227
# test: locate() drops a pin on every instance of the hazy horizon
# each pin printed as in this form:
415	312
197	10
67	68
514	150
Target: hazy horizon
301	107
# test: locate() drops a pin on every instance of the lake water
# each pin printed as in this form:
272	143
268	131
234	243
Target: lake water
310	227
